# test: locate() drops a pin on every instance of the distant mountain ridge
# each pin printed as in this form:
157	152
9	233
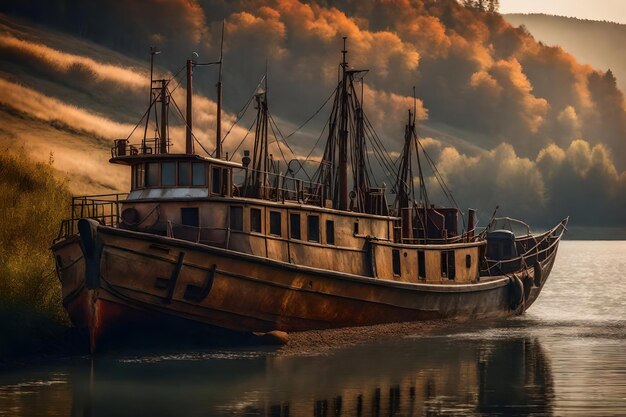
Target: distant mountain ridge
598	43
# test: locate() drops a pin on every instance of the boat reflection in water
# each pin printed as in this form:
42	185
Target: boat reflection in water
410	377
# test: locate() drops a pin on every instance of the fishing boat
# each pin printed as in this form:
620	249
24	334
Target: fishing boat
247	248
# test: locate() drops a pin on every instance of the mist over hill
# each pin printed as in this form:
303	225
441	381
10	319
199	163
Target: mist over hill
508	120
600	44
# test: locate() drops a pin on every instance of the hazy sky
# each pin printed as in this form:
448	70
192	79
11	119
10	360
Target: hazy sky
611	10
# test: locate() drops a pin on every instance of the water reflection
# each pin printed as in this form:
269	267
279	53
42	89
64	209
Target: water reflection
410	377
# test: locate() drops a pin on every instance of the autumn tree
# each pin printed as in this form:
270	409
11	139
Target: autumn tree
483	5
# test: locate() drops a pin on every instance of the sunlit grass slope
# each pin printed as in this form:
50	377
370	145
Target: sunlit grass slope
33	202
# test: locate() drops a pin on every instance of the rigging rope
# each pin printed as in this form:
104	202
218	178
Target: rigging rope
272	121
152	102
312	149
447	192
312	116
180	113
243	110
277	141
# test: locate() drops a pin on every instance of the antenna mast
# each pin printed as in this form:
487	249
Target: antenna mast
153	51
218	133
343	134
188	137
423	193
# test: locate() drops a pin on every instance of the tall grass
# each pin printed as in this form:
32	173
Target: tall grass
32	204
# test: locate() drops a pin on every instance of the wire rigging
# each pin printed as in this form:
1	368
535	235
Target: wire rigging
244	109
361	136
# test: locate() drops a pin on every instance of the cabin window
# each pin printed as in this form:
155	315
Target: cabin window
140	174
216	180
255	220
275	223
294	226
356	228
198	174
152	174
184	173
447	264
313	231
395	255
226	181
468	261
168	174
189	216
421	264
330	232
236	218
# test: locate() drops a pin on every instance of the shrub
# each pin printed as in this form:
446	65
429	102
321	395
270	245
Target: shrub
32	204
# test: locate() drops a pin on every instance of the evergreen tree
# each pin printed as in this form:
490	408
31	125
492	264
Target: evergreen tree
493	6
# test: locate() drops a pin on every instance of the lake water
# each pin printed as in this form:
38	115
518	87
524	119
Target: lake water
565	356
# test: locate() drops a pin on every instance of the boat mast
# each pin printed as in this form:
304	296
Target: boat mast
218	133
361	175
188	137
423	193
265	138
343	134
404	180
344	146
260	158
153	52
164	104
422	215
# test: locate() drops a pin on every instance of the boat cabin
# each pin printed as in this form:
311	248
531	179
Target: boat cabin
196	198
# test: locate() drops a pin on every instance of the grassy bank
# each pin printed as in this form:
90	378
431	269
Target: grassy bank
32	204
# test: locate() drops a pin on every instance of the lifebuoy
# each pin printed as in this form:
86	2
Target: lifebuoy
130	216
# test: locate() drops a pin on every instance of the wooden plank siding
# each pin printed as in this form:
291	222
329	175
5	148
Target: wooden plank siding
367	251
409	264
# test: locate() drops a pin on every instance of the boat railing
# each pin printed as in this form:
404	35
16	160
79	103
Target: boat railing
507	223
198	234
544	245
104	208
150	146
465	237
278	187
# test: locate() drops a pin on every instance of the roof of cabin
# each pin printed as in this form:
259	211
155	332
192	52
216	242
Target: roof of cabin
137	158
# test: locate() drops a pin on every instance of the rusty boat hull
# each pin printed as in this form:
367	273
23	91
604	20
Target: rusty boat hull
116	279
